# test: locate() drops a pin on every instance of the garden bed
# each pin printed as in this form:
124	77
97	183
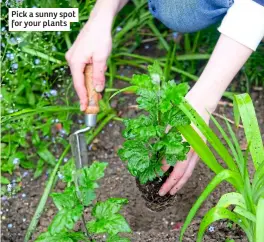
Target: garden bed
146	225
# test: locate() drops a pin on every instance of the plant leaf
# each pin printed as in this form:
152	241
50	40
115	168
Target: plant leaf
61	237
245	213
4	180
232	198
126	89
107	219
197	143
247	112
260	220
208	134
117	238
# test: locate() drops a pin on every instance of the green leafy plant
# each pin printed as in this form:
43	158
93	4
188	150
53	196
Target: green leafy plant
147	140
248	197
78	195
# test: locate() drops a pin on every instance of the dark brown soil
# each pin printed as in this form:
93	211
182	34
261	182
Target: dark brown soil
149	192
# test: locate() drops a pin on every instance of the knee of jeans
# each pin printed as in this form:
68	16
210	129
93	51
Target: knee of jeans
189	15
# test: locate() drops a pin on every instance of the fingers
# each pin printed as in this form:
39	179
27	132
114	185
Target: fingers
186	175
165	166
79	84
99	68
175	176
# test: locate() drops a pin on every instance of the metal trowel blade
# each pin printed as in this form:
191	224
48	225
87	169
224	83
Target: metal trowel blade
79	150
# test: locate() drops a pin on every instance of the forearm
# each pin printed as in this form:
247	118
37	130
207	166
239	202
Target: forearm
226	60
105	10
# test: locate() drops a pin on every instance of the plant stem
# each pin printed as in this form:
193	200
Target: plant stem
40	55
43	200
86	230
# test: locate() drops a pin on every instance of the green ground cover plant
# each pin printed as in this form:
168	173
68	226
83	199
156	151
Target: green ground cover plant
77	196
244	206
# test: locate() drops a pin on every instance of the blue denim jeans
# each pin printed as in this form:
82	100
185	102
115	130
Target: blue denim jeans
189	15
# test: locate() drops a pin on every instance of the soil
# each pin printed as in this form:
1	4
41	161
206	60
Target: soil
149	192
147	225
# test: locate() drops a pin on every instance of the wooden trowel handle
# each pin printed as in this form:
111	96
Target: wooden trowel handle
93	96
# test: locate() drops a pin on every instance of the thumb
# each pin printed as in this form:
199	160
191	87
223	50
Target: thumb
99	68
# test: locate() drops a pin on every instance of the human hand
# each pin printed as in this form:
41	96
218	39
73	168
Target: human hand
183	170
93	45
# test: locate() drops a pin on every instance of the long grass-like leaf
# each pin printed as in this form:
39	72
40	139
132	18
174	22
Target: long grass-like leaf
232	198
245	109
226	138
215	214
260	220
258	178
245	213
126	89
247	192
223	175
208	134
200	148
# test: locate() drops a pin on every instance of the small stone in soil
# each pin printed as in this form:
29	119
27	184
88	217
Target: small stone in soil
24	220
9	226
24	195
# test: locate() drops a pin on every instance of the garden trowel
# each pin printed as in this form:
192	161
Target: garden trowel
77	139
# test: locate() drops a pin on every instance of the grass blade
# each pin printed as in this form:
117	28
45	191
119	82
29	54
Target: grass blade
226	138
208	134
245	213
126	89
260	220
200	148
244	108
232	198
223	175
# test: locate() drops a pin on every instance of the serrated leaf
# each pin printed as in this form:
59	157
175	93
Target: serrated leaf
61	237
142	81
65	219
136	154
87	195
96	170
112	225
66	199
67	170
155	72
107	218
4	180
108	207
117	238
147	100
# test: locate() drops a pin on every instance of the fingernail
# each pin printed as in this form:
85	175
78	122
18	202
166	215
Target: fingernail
99	88
162	193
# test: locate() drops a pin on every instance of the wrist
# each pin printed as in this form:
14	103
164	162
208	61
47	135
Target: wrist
103	13
204	103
